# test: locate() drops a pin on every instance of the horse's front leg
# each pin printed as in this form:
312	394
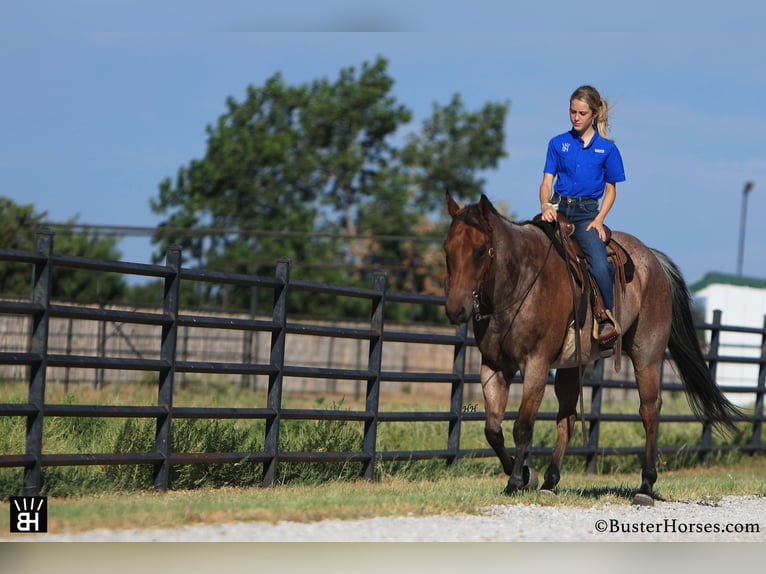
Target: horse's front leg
567	387
535	379
495	388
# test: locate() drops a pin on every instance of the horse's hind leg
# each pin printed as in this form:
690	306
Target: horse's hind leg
648	380
567	387
495	388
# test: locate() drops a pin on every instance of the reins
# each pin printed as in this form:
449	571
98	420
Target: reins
477	293
481	316
578	344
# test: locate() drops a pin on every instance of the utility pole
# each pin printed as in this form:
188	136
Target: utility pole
742	221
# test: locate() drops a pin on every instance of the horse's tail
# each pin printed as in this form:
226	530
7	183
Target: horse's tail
705	397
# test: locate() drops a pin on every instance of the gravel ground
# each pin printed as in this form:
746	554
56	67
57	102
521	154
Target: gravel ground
733	518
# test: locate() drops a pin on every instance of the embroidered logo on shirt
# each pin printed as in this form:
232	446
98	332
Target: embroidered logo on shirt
599	150
565	147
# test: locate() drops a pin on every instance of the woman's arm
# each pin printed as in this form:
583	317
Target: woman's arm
546	190
610	194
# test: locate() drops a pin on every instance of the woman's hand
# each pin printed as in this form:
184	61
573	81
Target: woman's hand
549	213
598	225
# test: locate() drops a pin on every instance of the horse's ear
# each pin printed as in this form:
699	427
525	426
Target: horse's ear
485	207
452	206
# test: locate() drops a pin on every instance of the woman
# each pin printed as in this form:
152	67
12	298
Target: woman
586	166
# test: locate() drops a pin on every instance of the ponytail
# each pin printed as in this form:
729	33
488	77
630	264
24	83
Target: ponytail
598	106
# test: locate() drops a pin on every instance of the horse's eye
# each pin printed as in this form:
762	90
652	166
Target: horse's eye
480	252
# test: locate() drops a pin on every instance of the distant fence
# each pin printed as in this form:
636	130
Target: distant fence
167	364
78	336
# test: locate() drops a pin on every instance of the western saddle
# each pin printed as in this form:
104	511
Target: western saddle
584	287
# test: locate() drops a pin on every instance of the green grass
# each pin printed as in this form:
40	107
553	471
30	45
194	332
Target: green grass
389	496
86	435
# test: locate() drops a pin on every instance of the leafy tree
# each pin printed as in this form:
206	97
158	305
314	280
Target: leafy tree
317	172
18	226
448	154
451	151
82	285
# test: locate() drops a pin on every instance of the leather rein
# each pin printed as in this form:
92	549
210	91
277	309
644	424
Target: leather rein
479	302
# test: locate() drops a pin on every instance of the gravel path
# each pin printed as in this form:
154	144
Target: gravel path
733	518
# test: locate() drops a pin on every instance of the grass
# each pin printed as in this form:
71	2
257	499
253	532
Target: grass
87	435
387	497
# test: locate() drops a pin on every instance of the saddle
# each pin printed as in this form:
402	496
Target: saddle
587	291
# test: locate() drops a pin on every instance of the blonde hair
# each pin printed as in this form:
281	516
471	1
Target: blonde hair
597	105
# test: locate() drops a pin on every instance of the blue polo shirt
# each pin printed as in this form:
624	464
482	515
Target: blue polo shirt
583	171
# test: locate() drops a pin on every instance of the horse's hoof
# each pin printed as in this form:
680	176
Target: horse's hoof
510	489
548	492
641	499
531	480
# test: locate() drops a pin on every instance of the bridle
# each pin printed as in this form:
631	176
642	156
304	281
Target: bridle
480	303
479	300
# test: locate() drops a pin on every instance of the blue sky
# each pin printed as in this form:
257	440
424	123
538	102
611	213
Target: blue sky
100	102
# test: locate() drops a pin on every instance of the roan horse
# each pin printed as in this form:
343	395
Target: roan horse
516	289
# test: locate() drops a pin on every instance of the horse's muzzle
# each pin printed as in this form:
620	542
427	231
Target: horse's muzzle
459	315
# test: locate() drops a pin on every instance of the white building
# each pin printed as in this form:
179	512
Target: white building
742	302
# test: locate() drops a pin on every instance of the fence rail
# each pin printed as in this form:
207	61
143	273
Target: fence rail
167	365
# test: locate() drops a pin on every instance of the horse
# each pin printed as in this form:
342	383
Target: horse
510	281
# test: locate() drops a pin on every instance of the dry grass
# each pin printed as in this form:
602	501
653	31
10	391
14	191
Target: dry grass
388	497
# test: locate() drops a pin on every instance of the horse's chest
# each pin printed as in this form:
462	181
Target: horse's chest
498	345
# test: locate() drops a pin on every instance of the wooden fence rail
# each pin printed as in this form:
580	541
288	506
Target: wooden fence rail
167	365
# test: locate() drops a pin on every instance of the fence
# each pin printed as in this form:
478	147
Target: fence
167	366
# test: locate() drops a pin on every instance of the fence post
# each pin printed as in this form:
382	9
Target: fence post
69	337
374	363
277	361
41	295
170	304
248	337
760	391
707	427
594	428
456	396
98	383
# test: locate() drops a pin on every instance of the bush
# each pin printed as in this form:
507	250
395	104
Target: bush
319	436
102	434
189	436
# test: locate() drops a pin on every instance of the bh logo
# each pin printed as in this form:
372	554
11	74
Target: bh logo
29	514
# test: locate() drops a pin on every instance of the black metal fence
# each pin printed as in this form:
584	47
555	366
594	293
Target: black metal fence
167	365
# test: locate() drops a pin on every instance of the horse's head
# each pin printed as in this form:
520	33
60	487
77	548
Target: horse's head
469	251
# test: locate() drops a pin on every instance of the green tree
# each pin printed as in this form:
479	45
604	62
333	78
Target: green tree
318	173
18	226
449	153
452	150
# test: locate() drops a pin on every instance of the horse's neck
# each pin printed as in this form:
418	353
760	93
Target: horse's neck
520	253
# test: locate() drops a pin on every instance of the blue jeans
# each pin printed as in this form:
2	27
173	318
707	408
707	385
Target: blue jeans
581	211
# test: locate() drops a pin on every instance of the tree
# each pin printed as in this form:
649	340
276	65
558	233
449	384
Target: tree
313	172
18	225
451	151
448	154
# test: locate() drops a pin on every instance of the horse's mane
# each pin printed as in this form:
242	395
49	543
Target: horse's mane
471	215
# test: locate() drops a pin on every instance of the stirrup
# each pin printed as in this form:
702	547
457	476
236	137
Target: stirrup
607	339
609	336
